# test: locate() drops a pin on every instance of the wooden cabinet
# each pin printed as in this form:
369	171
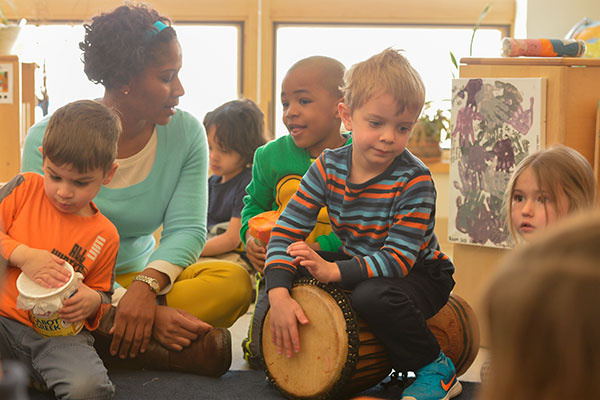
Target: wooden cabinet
572	96
17	109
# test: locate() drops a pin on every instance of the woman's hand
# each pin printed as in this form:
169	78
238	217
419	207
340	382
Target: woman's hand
323	271
134	319
82	305
256	253
285	314
176	329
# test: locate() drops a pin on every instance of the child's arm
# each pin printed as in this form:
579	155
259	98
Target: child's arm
259	199
39	265
82	305
225	242
285	314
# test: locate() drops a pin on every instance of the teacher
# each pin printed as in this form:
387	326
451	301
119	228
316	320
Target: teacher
161	181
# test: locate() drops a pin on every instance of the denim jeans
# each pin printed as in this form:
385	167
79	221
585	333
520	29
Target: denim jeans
67	365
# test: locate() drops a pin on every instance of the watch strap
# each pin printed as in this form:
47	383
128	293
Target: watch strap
151	282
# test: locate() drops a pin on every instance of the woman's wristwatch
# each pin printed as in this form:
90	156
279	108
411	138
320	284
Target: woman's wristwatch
151	282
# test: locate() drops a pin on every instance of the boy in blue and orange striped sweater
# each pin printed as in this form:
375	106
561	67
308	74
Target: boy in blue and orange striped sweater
381	203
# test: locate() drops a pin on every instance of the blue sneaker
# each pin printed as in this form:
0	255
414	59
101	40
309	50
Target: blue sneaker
435	381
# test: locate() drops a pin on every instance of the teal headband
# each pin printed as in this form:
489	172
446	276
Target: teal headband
158	27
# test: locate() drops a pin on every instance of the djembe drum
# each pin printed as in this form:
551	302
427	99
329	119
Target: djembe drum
341	356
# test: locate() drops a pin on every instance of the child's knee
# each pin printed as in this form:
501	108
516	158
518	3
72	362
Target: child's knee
366	297
371	298
85	386
242	285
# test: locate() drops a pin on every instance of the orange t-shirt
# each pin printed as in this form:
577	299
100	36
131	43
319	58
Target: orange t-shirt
90	244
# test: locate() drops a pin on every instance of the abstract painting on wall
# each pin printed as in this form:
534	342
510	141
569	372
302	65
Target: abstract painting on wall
496	123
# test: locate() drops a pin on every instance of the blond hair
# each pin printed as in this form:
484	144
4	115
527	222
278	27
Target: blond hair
543	318
561	173
387	72
83	134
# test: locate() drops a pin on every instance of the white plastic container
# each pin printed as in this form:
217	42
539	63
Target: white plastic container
44	304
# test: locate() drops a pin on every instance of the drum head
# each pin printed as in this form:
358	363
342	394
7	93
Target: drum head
323	347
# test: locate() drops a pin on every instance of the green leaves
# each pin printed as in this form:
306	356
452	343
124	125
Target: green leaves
475	28
454	62
477	24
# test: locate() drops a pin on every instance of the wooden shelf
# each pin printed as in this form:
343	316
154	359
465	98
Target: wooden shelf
542	61
572	96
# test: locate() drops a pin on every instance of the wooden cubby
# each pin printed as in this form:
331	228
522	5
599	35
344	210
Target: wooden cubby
17	115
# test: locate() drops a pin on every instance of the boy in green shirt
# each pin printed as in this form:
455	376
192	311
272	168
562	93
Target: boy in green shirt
310	94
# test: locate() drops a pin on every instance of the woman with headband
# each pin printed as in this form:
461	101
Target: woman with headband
169	310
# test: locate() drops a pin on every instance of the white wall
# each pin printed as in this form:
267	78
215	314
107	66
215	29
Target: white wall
553	19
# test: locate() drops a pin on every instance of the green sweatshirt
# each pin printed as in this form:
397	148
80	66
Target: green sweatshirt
276	173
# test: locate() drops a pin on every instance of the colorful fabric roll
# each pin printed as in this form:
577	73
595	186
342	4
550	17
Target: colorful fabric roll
512	47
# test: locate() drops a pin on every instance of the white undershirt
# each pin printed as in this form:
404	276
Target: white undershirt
136	168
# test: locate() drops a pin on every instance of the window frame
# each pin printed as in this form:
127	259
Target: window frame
272	123
261	17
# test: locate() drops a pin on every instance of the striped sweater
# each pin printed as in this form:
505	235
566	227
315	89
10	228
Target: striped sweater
385	224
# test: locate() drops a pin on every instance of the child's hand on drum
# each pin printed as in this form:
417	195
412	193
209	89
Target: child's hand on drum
323	271
285	314
83	304
40	266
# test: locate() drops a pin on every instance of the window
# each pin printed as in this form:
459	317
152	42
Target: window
209	73
57	47
427	48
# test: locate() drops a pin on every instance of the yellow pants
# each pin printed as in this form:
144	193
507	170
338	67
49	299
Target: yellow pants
218	292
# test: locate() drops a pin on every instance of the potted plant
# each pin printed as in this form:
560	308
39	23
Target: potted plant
425	139
8	31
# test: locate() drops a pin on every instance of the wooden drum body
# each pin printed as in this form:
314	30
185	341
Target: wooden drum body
456	329
338	356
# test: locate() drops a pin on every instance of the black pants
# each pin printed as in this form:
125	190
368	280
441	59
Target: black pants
396	310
